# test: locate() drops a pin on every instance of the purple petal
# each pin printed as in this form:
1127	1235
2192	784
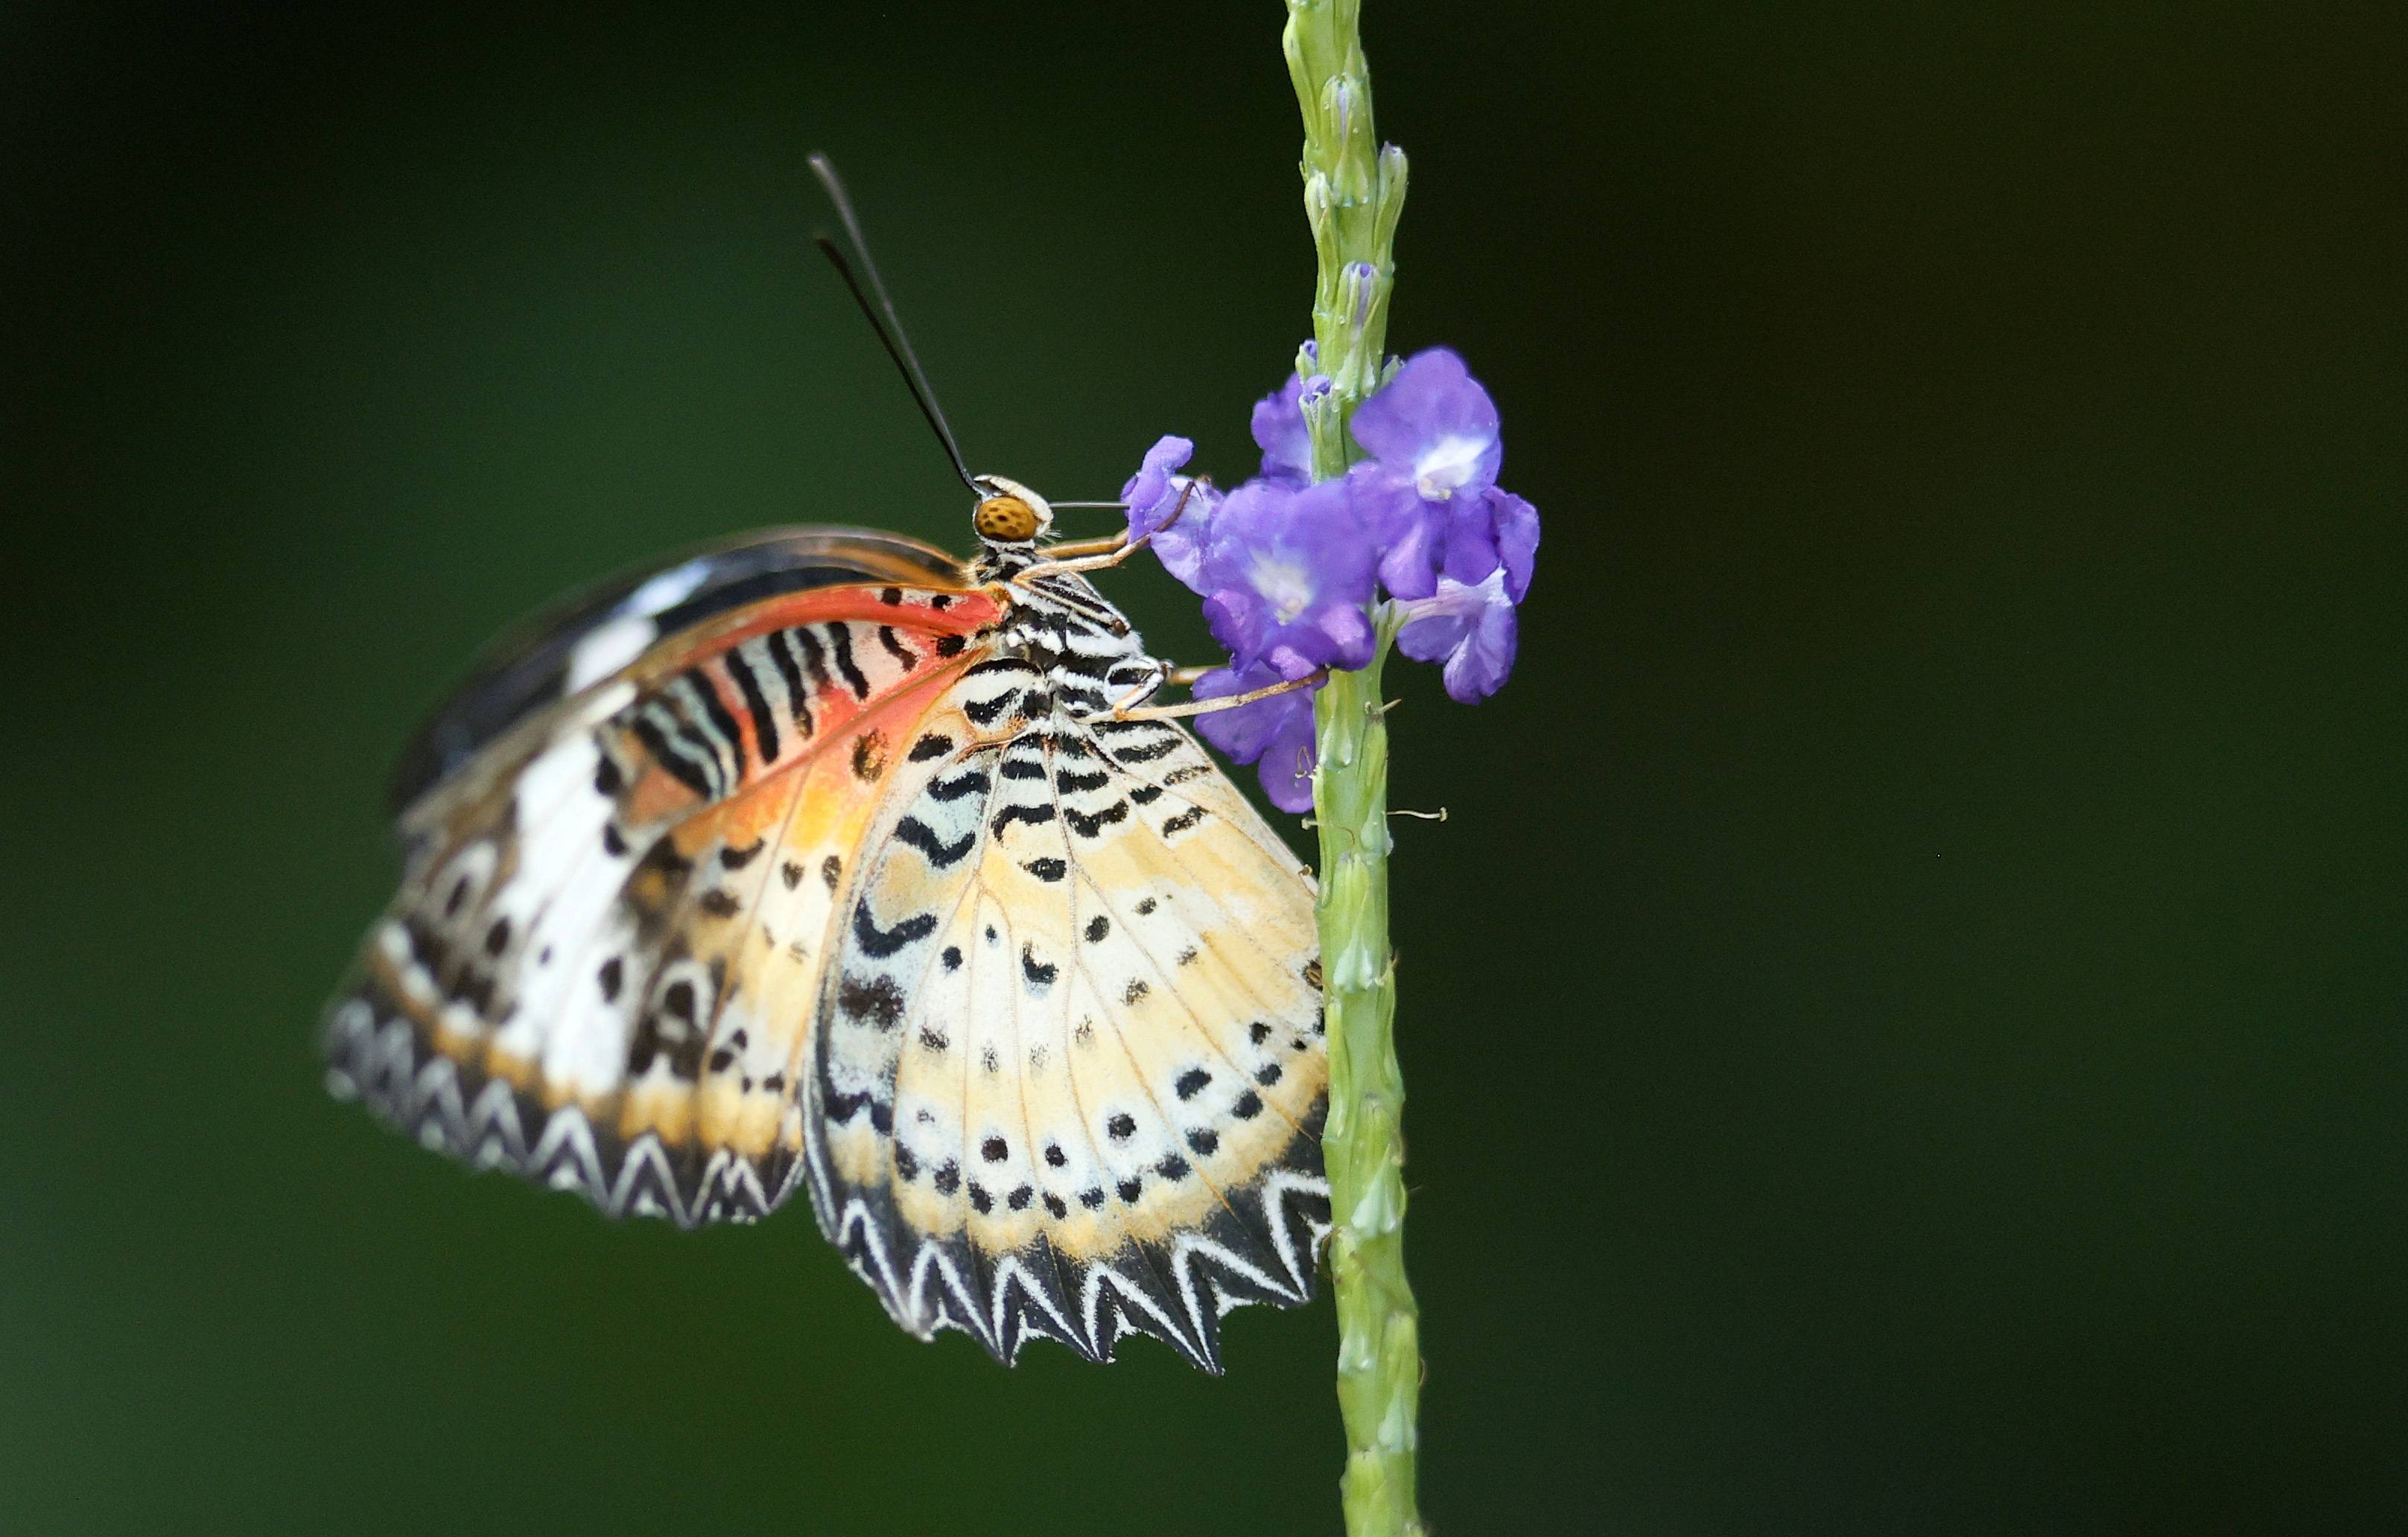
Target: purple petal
1148	492
1480	666
1407	530
1434	425
1279	430
1155	496
1473	630
1276	733
1517	540
1471	540
1288	572
1180	546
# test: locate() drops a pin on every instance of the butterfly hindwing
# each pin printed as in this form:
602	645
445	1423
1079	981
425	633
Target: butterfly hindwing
599	970
1072	1073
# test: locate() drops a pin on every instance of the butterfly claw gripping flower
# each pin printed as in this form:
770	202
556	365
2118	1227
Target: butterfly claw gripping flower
1293	575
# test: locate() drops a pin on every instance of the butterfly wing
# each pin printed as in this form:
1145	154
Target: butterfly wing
626	837
1069	1075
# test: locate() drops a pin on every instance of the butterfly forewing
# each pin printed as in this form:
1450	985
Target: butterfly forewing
570	983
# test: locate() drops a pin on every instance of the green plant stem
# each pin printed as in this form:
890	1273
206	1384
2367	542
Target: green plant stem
1379	1328
1353	192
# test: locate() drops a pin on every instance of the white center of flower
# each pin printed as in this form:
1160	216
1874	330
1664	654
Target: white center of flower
1443	468
1284	583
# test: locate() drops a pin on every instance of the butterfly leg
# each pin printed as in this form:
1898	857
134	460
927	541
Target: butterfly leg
1107	553
1208	706
1163	673
1086	546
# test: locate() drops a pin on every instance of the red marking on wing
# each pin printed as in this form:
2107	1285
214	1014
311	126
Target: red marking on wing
965	611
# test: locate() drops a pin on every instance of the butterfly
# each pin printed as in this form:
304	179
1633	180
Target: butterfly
820	859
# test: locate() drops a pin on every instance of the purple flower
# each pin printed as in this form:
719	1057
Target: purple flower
1275	733
1291	571
1433	437
1155	493
1288	577
1472	629
1434	425
1279	431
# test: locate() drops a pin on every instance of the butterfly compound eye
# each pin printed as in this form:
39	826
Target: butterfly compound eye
1005	518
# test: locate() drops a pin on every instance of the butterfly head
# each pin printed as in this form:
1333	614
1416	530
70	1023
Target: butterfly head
1009	513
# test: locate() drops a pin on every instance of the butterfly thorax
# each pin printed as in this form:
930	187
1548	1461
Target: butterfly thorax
1092	659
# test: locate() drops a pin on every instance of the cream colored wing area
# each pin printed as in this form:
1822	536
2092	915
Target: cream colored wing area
597	977
1070	1075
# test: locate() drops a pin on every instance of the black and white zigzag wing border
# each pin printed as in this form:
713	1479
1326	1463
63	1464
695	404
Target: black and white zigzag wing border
490	1125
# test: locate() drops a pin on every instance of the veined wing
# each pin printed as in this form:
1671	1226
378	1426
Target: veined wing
1071	1073
608	875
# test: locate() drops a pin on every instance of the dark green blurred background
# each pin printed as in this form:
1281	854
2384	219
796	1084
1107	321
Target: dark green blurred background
1905	1017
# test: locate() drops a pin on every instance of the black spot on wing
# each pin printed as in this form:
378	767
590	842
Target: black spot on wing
1035	816
840	646
869	756
1147	753
798	703
684	770
721	721
914	833
972	783
814	655
877	944
756	704
986	712
1087	826
1041	976
875	1001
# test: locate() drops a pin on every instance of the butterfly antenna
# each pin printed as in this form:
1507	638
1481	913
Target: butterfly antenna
881	315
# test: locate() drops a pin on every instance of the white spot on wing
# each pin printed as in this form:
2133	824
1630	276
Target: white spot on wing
622	638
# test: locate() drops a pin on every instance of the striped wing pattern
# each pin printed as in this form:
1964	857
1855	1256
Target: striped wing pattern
710	894
578	978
